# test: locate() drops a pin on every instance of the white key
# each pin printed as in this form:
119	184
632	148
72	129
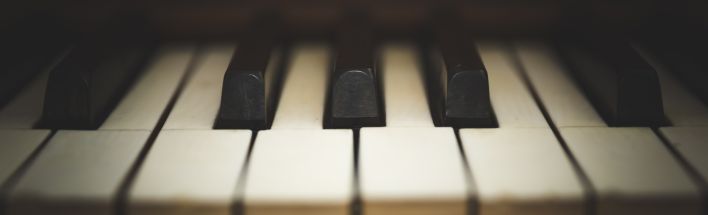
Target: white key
404	88
134	112
190	172
300	171
17	118
79	172
521	171
519	168
563	100
630	169
409	166
692	143
411	171
689	119
199	103
303	95
193	169
507	90
15	147
297	167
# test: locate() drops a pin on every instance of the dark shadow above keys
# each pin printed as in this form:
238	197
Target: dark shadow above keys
458	85
252	81
354	97
620	84
92	78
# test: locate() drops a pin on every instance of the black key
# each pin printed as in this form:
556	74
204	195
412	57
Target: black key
354	97
28	48
622	86
458	86
88	83
252	81
251	85
92	78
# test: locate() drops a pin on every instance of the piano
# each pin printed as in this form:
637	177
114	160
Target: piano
354	107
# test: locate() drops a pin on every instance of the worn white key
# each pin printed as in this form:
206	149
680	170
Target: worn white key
297	167
190	172
520	167
79	172
409	166
629	168
199	103
193	169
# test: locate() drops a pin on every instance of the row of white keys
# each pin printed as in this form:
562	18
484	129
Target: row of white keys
79	172
520	167
688	132
297	167
629	168
409	166
192	169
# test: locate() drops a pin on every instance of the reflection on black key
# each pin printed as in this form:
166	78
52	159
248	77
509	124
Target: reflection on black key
458	87
622	86
28	48
354	99
252	81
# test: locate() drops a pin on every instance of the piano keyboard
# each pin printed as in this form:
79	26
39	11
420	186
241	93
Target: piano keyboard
392	135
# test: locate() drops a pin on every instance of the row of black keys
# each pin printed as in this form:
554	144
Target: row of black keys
91	78
621	84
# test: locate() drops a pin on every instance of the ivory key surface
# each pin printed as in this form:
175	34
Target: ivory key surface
298	167
190	172
198	105
520	167
409	166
